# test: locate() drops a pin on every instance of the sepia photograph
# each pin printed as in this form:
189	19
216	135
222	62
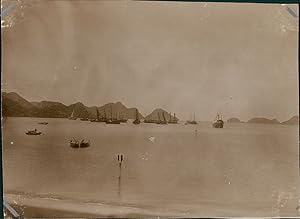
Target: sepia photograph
139	109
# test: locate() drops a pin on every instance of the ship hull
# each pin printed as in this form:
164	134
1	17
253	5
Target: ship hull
113	122
191	123
136	122
218	124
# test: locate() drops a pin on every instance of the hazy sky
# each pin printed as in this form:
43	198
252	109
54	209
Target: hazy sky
237	59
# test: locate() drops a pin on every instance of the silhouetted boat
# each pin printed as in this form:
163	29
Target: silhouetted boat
33	132
84	143
74	143
100	118
137	120
218	123
193	122
84	119
161	121
122	119
111	120
43	123
164	121
72	117
173	120
149	121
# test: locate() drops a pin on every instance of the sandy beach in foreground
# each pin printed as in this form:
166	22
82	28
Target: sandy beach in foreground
35	207
42	207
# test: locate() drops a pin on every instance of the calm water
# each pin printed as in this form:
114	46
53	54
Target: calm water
252	168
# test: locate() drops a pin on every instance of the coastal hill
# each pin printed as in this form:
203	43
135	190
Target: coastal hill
234	120
292	121
158	114
13	105
49	109
131	113
80	110
116	109
261	120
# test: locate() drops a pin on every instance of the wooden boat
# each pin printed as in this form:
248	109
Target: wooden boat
122	119
33	132
43	123
72	117
191	122
99	118
84	119
112	120
173	120
84	143
163	121
137	120
218	123
74	143
109	121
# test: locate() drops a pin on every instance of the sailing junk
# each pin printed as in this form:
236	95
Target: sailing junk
219	123
122	119
137	120
112	120
173	120
99	118
72	117
163	121
193	122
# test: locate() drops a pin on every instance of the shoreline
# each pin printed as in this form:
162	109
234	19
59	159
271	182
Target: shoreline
35	207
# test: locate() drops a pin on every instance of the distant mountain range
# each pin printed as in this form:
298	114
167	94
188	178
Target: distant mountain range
13	105
260	120
160	114
233	120
16	106
263	121
292	121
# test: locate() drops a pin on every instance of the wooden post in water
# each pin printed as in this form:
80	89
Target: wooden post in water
120	160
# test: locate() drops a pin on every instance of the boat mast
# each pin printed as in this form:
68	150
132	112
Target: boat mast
97	114
111	116
72	114
163	115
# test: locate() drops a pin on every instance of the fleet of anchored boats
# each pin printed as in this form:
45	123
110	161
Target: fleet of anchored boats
161	119
74	143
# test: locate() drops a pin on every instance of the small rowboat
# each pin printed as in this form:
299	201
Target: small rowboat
43	123
33	132
83	144
74	144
